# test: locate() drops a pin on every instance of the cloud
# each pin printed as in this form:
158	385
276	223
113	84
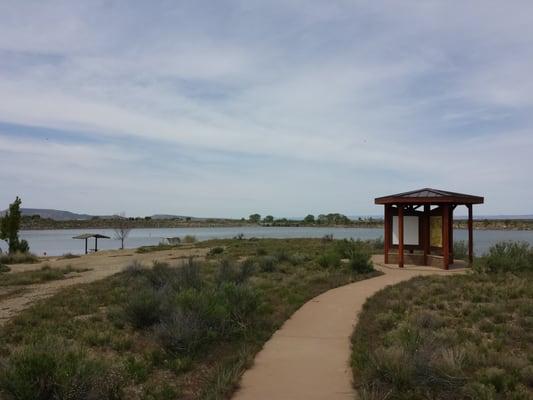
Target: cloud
267	106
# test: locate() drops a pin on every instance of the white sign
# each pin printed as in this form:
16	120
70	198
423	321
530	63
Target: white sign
410	230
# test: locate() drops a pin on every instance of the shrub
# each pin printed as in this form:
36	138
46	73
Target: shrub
143	307
4	268
460	250
230	271
261	251
215	250
70	256
281	255
329	259
18	258
189	239
188	275
360	262
36	372
507	257
268	263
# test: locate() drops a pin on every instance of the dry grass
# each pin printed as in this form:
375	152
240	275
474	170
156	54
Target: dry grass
177	331
45	274
459	337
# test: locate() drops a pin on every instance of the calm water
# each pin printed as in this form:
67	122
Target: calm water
58	242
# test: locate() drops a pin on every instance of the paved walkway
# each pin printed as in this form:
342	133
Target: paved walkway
308	358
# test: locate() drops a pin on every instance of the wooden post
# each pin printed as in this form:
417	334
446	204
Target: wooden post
451	234
446	235
387	232
400	236
470	235
95	244
426	231
86	239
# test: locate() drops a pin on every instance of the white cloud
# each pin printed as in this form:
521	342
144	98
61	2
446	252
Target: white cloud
361	99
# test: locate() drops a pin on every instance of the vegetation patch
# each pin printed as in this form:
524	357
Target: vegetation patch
164	331
45	274
455	337
18	258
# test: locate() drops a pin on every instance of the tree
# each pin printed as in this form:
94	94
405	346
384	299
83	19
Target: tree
122	229
309	219
10	226
255	218
268	219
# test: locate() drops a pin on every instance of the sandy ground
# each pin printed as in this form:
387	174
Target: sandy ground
308	357
102	264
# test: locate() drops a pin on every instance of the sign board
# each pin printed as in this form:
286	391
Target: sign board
410	230
435	229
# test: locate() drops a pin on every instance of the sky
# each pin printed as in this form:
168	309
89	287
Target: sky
226	108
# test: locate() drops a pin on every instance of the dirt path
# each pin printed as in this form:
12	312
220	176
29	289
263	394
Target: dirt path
308	358
14	299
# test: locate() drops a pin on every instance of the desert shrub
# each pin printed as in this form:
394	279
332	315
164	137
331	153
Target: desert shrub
268	263
18	258
460	250
37	372
445	338
281	255
329	259
239	236
359	254
230	271
361	262
508	257
261	251
188	275
203	316
189	239
298	258
143	307
134	269
215	251
69	256
4	268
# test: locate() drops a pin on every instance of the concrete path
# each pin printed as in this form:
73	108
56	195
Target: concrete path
308	358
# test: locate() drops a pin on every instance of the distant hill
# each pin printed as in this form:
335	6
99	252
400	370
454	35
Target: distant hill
168	216
56	215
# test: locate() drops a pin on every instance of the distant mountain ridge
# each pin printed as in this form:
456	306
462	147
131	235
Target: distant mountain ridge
61	215
56	215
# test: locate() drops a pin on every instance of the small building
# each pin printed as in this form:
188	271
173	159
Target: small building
421	223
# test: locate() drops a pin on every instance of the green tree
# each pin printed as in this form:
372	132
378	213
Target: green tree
10	226
309	219
255	218
268	219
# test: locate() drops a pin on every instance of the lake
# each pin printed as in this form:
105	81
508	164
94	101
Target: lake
58	242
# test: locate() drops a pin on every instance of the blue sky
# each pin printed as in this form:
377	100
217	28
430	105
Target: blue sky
225	108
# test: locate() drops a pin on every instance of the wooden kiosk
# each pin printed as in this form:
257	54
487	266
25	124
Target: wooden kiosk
421	222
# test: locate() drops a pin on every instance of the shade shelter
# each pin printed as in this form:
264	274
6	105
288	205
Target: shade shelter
421	222
87	236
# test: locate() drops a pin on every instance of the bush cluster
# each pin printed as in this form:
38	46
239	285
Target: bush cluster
51	369
187	312
18	257
443	338
507	257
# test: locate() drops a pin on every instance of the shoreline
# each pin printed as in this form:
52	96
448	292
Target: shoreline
479	225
